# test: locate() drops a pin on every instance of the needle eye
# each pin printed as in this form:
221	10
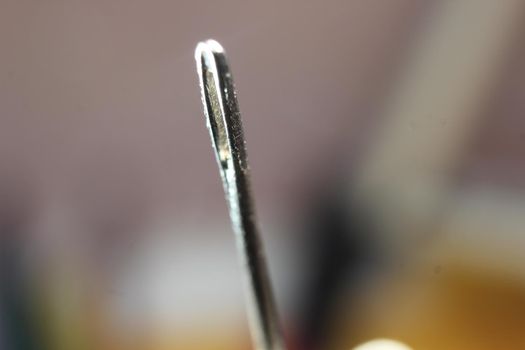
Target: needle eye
213	100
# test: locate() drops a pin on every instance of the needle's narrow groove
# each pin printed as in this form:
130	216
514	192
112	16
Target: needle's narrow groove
223	119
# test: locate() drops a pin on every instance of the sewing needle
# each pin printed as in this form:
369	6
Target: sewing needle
224	123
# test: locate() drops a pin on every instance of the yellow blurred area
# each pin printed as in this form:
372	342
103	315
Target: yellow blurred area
453	307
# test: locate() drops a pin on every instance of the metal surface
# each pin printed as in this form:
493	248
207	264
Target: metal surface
224	123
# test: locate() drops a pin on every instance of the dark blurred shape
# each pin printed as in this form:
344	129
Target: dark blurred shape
17	309
340	249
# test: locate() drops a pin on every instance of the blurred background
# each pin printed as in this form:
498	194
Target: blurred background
387	148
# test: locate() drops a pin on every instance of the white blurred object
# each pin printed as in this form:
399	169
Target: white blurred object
382	344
